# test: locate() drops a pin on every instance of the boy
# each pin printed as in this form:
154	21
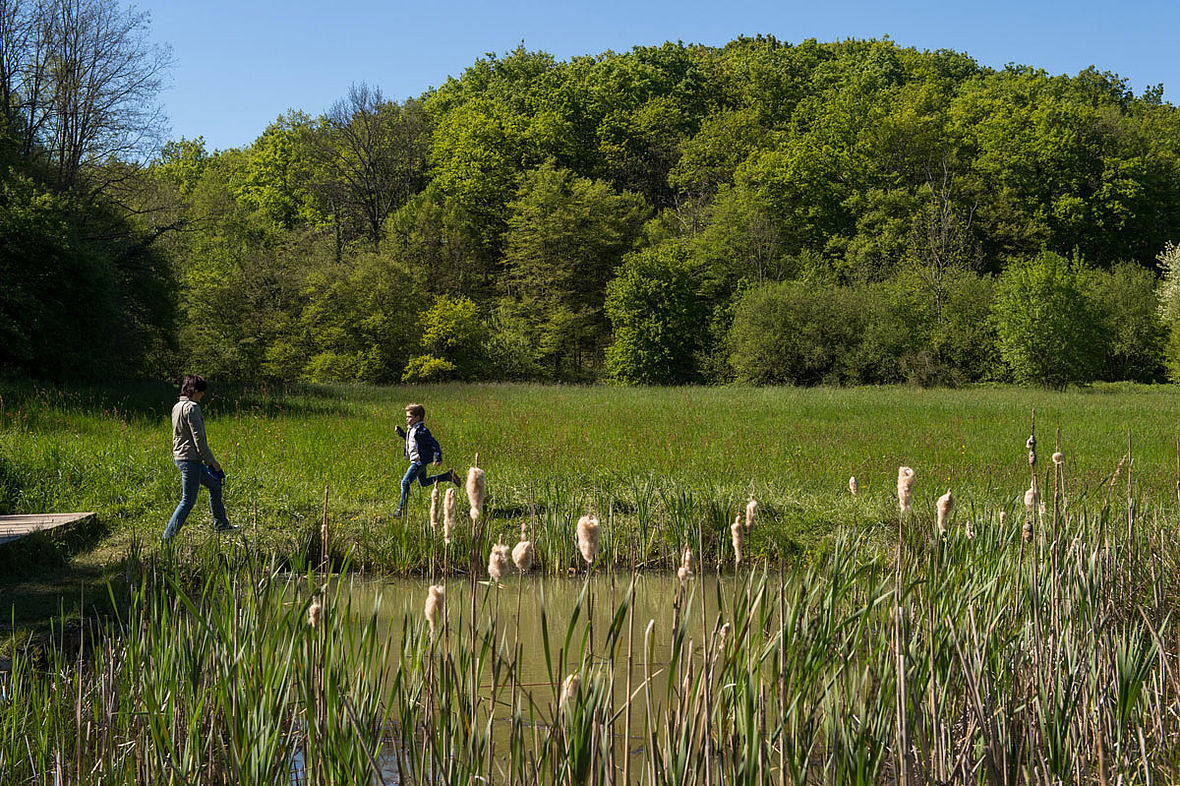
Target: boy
421	448
194	459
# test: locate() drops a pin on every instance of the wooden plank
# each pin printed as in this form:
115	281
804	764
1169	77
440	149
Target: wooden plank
14	527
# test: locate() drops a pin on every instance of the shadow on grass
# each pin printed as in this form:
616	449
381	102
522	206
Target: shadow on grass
153	399
42	584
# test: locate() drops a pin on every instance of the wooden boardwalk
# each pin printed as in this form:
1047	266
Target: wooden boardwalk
14	527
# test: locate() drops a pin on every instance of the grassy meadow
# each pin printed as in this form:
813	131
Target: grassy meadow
655	462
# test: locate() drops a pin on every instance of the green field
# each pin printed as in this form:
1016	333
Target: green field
662	460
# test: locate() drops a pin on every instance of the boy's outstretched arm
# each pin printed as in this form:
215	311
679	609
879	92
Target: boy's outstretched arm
400	432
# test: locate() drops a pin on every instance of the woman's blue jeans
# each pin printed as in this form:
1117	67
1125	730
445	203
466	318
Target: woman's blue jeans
417	471
193	475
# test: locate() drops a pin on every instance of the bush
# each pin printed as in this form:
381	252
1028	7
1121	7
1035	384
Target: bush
1126	297
454	335
1049	329
795	333
659	319
427	368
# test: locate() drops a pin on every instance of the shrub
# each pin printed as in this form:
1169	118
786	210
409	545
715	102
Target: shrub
1126	297
795	333
427	368
1049	329
659	319
452	333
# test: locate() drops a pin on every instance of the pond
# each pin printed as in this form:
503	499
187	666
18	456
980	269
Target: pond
561	626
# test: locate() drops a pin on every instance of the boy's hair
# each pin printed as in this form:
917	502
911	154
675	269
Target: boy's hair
192	383
417	410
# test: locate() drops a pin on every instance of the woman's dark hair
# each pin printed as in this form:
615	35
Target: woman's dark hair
192	383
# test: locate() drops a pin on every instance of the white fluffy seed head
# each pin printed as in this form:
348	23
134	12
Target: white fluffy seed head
905	484
1059	458
569	691
1030	498
475	491
1026	531
1003	517
735	535
522	556
588	530
853	486
498	561
448	515
751	510
313	613
434	508
687	567
970	531
434	604
946	503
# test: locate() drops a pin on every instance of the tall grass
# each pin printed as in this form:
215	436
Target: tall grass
948	659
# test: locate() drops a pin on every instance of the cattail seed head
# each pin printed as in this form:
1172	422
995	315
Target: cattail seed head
498	561
434	494
313	613
970	531
448	515
905	483
475	491
1026	531
522	556
751	509
687	566
946	503
1058	458
853	486
1030	498
588	537
434	604
735	533
1003	517
569	691
723	634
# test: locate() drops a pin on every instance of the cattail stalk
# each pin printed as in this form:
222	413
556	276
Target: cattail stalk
946	503
498	561
435	597
522	555
735	535
905	484
475	489
448	515
687	567
588	530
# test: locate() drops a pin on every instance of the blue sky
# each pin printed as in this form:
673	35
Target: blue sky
239	65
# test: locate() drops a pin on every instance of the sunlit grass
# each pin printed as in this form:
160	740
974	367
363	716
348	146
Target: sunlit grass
653	460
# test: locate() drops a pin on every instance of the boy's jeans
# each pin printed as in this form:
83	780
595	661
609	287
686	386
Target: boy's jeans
417	471
193	475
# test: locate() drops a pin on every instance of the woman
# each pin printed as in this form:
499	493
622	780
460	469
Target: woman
191	454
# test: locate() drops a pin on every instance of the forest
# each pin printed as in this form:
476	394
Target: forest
764	212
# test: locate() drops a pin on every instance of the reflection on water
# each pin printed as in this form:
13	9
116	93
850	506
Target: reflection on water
533	609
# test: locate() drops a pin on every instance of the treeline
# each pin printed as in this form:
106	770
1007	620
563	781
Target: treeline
852	212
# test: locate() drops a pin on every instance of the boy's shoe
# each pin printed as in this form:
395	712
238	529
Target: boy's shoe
454	478
221	529
397	514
